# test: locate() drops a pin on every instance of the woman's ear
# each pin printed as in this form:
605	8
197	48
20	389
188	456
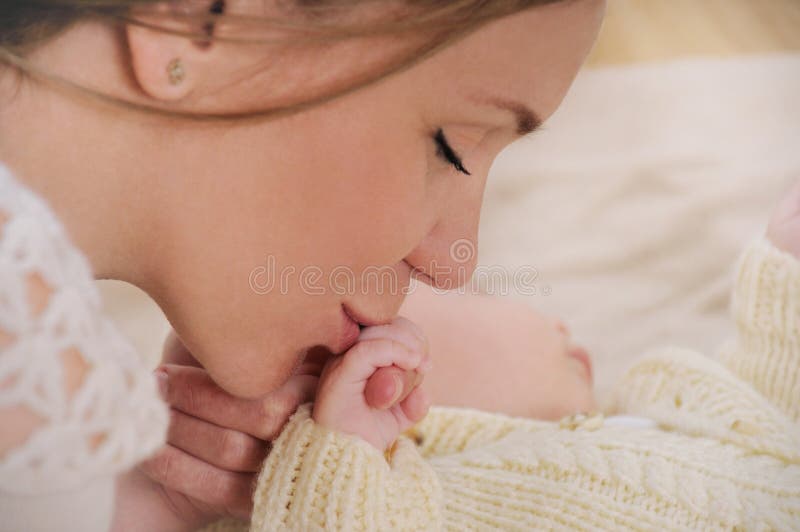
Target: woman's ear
169	67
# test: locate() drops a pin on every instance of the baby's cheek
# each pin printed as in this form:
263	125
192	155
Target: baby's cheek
586	402
581	393
568	394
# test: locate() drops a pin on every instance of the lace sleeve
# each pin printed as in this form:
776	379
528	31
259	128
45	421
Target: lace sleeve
90	406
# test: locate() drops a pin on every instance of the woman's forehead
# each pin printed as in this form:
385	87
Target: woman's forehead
521	64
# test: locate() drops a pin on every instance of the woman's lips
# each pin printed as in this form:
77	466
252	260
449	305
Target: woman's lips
364	321
353	322
350	331
581	355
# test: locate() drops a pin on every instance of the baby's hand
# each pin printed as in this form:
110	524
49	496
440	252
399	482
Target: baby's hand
340	404
784	227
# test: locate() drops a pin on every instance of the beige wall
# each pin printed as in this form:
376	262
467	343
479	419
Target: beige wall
645	30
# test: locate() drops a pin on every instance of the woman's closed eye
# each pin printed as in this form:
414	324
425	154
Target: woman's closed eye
446	152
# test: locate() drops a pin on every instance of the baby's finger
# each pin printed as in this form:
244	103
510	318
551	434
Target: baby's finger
784	226
401	330
789	206
381	390
364	358
426	364
416	405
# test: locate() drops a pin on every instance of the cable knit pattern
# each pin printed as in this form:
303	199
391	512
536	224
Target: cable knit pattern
725	454
115	417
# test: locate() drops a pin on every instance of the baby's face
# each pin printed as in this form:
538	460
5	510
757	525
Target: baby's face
559	371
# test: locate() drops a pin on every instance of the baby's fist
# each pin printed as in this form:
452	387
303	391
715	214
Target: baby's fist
341	404
784	227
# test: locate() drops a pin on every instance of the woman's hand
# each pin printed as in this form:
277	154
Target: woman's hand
217	442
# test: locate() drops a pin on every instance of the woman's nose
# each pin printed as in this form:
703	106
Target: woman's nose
445	261
562	327
446	256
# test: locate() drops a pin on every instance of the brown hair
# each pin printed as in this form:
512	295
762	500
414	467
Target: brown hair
26	24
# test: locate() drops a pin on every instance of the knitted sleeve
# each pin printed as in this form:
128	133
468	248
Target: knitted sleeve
318	479
749	395
766	308
77	403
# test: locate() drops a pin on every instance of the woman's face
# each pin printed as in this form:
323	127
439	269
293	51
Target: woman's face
277	230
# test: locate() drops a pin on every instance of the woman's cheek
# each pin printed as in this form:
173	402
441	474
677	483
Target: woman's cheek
398	215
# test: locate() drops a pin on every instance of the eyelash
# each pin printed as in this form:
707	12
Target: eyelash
444	151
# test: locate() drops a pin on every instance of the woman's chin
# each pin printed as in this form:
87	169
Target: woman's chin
253	377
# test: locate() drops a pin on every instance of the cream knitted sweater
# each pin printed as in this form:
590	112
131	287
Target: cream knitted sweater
725	453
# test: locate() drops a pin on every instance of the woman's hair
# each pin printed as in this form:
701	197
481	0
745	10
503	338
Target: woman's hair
26	24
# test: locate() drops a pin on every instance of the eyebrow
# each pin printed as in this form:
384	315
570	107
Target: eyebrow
527	120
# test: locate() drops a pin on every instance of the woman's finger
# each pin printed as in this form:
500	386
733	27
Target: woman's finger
229	492
192	391
225	448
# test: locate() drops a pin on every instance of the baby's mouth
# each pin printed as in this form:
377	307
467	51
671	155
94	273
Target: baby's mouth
581	355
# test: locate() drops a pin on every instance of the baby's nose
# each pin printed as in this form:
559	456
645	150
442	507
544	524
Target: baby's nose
562	327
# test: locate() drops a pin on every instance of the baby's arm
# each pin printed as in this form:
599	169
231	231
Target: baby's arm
330	468
766	307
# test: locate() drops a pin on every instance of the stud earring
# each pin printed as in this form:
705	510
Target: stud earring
176	71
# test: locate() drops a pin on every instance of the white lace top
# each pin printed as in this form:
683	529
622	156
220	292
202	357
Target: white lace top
88	427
